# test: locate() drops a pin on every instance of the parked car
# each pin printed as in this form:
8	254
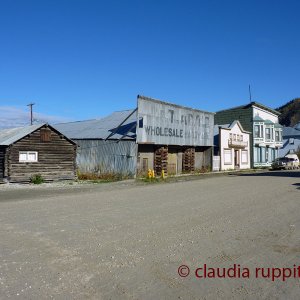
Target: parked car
286	163
294	159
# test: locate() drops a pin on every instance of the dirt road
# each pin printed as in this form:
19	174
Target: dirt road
127	241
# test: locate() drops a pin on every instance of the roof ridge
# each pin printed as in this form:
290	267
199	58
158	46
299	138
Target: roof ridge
253	103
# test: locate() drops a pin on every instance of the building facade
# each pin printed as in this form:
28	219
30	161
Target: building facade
173	138
266	133
232	146
37	149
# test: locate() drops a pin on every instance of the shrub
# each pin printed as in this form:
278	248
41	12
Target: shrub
36	179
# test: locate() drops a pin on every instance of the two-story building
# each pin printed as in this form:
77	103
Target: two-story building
262	122
232	146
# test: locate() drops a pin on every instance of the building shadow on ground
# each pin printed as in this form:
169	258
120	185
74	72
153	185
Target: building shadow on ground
284	173
298	185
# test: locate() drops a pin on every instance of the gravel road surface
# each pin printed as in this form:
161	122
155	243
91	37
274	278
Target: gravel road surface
127	241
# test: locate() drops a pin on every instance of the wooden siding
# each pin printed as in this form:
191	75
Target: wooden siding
2	158
56	158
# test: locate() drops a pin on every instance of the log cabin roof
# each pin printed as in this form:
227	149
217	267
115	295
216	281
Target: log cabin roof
12	135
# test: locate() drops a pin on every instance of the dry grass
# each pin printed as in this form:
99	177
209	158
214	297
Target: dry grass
105	177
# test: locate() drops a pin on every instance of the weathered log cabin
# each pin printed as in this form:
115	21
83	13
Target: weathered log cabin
36	149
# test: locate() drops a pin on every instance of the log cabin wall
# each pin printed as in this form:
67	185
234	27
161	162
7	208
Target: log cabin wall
2	160
56	157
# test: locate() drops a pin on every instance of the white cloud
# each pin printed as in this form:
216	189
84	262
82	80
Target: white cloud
11	116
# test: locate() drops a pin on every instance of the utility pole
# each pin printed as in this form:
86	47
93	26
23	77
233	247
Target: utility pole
250	93
31	115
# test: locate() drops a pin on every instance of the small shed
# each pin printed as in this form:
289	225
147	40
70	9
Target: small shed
36	149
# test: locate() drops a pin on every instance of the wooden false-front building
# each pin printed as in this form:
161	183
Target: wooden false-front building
36	149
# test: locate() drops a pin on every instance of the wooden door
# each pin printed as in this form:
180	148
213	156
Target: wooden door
172	163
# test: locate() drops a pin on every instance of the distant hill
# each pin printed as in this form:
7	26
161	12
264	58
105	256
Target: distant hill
290	113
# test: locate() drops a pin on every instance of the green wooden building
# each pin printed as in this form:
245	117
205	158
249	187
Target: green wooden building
266	132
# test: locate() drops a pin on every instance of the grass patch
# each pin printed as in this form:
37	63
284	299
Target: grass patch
37	179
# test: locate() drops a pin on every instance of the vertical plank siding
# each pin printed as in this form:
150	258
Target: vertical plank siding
56	158
102	157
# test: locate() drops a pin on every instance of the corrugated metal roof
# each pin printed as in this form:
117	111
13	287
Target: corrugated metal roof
290	131
297	126
11	135
289	147
97	128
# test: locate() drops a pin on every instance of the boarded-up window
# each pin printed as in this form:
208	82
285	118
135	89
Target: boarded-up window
227	157
45	135
28	156
244	156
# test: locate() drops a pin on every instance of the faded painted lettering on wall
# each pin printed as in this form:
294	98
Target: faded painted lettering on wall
168	124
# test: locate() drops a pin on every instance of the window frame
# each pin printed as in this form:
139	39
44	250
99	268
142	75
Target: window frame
260	127
27	153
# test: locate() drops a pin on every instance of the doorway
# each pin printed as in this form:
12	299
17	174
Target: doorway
236	159
172	163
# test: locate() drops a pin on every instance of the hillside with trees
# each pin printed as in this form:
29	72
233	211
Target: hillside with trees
290	113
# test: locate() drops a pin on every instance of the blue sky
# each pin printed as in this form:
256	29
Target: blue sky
80	59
